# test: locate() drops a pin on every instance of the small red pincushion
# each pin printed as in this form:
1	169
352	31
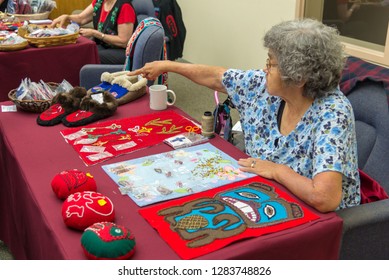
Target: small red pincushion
72	181
107	241
82	209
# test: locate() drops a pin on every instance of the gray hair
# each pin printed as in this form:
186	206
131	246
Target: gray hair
307	51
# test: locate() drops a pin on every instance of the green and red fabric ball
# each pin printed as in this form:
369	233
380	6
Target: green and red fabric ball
108	241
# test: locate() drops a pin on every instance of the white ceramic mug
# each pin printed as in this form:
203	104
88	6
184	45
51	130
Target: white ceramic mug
158	97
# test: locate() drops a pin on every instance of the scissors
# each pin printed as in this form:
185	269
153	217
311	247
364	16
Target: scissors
192	128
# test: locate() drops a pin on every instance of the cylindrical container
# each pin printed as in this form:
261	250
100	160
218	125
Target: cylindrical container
207	125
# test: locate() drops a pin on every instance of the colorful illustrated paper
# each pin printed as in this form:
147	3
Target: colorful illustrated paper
204	222
104	140
175	174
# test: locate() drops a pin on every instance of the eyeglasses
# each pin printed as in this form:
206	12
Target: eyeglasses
269	65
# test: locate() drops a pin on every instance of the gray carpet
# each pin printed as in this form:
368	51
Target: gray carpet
191	98
4	252
195	99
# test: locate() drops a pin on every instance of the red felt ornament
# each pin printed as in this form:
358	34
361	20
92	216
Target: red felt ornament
82	209
72	181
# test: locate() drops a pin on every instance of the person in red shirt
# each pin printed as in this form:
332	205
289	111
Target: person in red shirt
114	22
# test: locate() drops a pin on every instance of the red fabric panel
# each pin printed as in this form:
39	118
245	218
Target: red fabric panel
180	245
141	132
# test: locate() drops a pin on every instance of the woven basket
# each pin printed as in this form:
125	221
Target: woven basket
14	47
43	42
34	106
23	17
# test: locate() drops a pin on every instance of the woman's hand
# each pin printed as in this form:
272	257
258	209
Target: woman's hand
61	21
260	167
89	32
150	71
323	192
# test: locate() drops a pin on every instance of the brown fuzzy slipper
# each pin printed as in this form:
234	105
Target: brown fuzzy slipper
94	107
128	88
62	105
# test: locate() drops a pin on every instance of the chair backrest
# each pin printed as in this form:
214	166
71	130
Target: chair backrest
143	9
146	45
370	104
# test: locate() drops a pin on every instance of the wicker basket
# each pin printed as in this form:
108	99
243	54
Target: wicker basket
43	42
34	106
23	17
14	47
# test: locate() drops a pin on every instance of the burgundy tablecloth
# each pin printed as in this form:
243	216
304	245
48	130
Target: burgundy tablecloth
30	213
51	64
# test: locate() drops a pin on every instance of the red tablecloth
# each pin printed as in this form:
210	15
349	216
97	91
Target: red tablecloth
30	214
51	64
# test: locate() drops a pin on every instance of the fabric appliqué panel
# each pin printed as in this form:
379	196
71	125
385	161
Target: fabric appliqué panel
214	219
118	137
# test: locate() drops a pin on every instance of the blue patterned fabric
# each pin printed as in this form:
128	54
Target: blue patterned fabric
324	139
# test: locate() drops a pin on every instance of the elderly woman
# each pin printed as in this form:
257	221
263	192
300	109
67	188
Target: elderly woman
114	22
299	128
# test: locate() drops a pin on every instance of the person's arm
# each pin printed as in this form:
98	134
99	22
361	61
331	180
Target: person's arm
82	18
125	31
205	75
344	12
323	192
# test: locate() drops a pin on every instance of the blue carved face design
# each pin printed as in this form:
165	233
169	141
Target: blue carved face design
257	206
253	206
229	213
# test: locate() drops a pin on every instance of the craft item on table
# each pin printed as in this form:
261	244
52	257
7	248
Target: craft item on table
128	88
108	241
124	88
64	86
174	174
186	139
93	107
71	181
12	39
106	79
123	136
29	90
205	222
7	25
52	32
42	22
62	104
82	209
33	97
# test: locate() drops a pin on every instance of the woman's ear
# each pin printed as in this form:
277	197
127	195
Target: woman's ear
300	84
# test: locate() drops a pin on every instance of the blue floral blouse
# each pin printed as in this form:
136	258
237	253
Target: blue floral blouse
323	140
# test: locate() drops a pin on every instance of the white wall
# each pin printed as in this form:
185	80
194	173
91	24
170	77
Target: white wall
229	33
